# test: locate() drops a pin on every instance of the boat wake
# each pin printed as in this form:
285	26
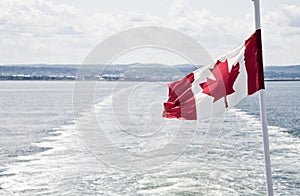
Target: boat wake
233	165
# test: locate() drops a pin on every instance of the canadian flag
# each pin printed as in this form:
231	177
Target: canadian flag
213	88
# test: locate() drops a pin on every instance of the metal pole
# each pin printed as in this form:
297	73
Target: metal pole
263	115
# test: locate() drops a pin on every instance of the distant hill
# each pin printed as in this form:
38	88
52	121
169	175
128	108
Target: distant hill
282	72
128	72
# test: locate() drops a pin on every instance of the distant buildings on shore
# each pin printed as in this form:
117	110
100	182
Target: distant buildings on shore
38	77
129	72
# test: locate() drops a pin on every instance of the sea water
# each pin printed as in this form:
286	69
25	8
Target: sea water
43	152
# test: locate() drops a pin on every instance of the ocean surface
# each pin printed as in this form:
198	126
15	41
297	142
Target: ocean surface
45	150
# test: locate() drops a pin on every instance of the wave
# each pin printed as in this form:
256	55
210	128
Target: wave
234	165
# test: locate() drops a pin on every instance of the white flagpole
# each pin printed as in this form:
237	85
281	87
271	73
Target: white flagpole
263	115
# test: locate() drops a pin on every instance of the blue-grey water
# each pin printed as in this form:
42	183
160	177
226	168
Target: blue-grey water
42	153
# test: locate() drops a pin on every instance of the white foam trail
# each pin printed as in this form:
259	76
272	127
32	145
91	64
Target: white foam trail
233	166
284	152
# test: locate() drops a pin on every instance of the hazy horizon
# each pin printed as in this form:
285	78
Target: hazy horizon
149	63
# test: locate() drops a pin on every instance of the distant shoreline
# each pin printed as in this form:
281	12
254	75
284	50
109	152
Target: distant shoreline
124	72
282	80
70	80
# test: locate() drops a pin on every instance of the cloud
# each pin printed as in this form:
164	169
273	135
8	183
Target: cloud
217	33
36	30
280	29
38	17
281	38
286	15
39	31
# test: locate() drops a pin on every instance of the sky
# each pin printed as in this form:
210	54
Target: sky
65	31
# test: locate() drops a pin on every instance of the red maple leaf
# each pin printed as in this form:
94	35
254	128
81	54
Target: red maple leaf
223	85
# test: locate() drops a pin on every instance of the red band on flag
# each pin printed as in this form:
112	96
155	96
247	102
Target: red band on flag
253	63
181	103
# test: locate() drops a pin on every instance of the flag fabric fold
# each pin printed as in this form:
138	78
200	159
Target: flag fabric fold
213	88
